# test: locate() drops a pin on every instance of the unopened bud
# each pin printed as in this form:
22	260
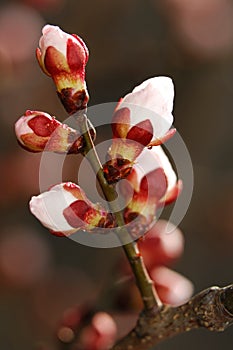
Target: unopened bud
63	57
38	131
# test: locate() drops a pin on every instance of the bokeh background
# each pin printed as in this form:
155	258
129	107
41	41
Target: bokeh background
129	41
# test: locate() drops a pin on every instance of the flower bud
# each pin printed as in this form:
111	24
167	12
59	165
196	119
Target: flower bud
172	287
142	118
63	57
37	131
160	248
100	334
64	209
152	181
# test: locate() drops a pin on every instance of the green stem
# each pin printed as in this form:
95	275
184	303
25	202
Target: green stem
144	283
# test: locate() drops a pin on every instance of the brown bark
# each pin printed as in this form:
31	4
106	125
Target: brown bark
211	309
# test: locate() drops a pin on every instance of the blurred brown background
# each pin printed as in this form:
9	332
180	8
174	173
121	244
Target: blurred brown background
129	41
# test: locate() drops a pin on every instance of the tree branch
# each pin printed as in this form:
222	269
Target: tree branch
211	309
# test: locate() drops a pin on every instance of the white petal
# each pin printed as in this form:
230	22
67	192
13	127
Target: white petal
150	160
48	208
159	153
22	128
163	85
152	100
54	36
146	162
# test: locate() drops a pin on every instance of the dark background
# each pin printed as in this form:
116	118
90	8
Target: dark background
129	41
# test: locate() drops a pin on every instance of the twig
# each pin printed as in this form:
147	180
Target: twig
211	309
144	283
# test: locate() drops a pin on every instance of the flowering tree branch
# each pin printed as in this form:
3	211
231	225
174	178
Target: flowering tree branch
211	309
141	120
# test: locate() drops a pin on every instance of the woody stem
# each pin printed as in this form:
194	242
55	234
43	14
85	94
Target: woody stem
143	281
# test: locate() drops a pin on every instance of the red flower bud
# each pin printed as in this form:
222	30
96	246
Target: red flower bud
172	287
142	118
65	209
63	57
100	334
38	131
160	248
153	183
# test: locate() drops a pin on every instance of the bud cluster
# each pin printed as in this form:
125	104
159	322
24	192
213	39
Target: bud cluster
141	123
137	172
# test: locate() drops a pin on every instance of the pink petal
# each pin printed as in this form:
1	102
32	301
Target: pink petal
100	334
154	184
160	156
53	36
162	85
172	194
163	139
